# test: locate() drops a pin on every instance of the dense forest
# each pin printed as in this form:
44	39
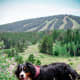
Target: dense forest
61	43
56	43
18	41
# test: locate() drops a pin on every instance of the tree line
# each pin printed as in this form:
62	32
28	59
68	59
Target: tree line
61	43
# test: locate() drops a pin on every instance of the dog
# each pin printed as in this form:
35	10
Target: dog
54	71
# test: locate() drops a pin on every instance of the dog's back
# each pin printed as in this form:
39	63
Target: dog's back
58	71
54	71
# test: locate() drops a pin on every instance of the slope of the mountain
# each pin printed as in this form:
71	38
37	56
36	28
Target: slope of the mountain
43	24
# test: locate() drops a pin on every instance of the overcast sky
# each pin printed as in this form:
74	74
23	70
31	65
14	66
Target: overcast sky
16	10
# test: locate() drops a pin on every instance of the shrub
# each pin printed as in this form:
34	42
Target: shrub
71	63
60	50
19	59
38	62
13	52
10	52
31	58
7	51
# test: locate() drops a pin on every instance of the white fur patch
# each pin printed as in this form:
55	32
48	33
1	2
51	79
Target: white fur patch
22	73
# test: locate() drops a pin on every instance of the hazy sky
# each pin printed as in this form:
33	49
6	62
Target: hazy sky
15	10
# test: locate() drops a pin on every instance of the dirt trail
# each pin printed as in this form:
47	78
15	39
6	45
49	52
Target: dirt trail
33	49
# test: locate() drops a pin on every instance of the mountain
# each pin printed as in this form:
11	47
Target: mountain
43	24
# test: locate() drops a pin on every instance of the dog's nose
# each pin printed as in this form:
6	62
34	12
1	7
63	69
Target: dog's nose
22	76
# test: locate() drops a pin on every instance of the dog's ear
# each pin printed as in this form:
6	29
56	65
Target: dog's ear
17	71
31	68
29	64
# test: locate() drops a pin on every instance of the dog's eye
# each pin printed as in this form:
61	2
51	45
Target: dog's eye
24	68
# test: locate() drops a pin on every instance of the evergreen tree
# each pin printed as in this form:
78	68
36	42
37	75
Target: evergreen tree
46	45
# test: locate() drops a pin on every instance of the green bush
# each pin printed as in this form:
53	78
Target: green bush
73	49
31	58
7	51
10	52
60	50
19	59
71	63
38	62
13	52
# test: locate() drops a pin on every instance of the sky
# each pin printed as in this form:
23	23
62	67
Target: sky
16	10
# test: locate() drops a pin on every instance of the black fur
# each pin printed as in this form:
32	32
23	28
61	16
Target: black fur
55	71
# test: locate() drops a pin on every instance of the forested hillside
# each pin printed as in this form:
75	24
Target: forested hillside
43	24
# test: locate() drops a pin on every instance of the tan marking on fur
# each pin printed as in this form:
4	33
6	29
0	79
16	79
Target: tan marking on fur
28	74
70	76
29	78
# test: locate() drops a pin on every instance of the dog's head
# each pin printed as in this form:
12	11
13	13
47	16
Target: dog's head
26	71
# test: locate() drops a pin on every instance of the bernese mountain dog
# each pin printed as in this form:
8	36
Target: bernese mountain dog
54	71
